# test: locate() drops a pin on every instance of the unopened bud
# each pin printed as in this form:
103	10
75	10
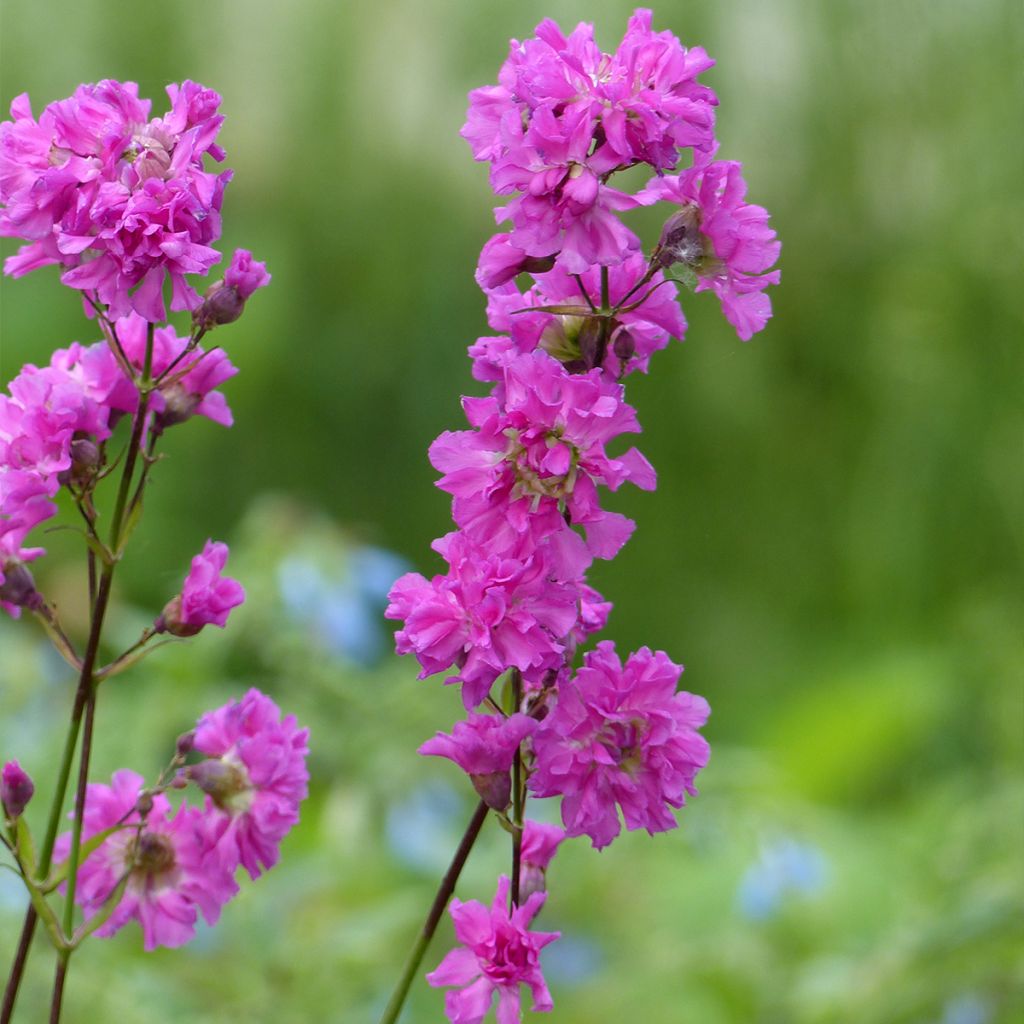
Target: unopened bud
85	459
222	304
179	405
494	788
17	587
16	789
624	345
186	741
144	804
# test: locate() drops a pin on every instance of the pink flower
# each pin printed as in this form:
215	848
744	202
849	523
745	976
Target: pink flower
245	274
498	954
24	503
484	747
207	597
119	199
540	842
564	209
645	97
564	117
168	862
501	261
620	735
255	778
725	241
488	614
46	409
537	456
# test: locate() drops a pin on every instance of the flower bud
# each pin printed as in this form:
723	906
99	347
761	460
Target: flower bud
681	239
494	788
85	460
144	804
186	741
17	587
16	789
180	405
225	300
624	345
221	305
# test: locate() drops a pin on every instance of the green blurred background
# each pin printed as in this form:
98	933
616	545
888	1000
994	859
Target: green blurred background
833	550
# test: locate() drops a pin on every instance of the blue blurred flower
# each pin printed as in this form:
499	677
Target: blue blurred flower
423	828
343	605
784	867
968	1008
572	960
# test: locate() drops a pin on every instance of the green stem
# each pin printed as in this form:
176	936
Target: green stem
444	892
86	694
517	798
58	986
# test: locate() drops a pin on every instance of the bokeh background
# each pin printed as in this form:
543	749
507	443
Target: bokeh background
833	550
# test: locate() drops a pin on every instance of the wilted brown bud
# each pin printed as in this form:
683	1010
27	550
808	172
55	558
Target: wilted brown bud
681	240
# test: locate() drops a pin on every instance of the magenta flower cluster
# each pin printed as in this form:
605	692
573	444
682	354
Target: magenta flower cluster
123	203
119	199
576	305
175	865
54	421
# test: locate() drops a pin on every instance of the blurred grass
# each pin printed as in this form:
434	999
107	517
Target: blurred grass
833	550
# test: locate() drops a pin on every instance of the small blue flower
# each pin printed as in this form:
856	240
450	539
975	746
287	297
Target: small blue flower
784	867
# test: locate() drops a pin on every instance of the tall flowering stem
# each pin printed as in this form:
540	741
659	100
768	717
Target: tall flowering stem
123	203
434	915
576	304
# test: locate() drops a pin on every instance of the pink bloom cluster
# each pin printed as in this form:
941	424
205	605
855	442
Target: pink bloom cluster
255	777
537	457
576	306
54	421
620	735
166	858
724	240
118	198
176	865
565	116
562	120
489	613
498	954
